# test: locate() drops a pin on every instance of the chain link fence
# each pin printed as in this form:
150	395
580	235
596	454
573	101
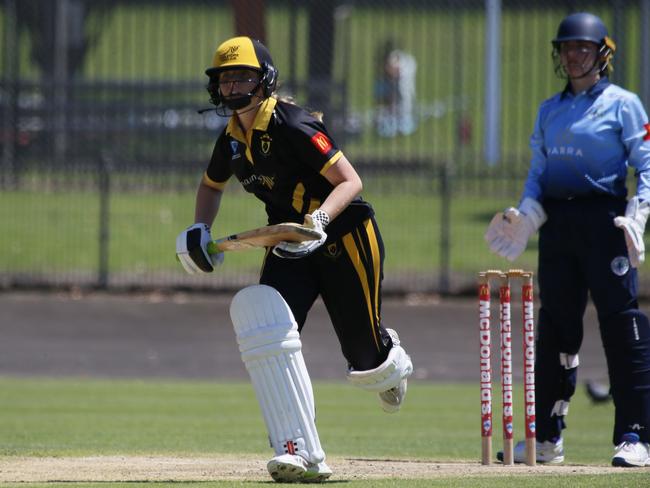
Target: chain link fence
103	142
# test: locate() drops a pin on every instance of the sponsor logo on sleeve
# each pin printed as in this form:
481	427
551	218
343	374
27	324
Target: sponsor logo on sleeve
646	137
321	142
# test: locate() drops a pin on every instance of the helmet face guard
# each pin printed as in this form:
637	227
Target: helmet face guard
241	53
584	27
232	101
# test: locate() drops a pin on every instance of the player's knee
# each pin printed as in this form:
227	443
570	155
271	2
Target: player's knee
626	329
263	322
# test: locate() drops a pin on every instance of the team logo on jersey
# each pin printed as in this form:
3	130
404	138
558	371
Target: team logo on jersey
333	251
321	142
646	137
565	151
265	144
596	112
234	147
620	265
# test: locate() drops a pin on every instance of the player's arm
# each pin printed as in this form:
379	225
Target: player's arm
208	200
509	231
635	133
192	243
347	186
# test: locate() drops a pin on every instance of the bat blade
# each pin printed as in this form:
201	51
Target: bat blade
266	236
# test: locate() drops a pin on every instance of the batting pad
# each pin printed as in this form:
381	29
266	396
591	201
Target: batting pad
270	347
385	376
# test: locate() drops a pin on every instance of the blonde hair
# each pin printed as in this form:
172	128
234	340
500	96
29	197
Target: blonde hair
609	46
290	100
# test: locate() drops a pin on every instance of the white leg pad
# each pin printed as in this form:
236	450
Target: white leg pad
385	376
270	347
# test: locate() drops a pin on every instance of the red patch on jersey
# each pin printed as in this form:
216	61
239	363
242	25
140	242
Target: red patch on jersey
321	142
647	132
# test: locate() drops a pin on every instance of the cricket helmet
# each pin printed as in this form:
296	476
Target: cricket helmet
584	26
241	53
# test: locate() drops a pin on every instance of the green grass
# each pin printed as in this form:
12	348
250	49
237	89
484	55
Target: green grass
440	422
627	480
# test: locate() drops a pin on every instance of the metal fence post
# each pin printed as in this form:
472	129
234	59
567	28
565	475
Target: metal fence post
105	163
445	229
644	65
10	96
61	80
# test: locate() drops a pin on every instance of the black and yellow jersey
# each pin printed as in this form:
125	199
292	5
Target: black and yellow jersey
282	160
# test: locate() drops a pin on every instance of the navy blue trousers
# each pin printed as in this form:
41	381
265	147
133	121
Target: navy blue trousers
581	252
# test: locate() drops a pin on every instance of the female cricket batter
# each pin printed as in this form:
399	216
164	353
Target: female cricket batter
284	156
590	239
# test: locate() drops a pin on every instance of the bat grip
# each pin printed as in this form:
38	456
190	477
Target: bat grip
213	247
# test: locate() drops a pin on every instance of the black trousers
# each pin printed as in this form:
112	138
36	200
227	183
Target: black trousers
347	274
581	252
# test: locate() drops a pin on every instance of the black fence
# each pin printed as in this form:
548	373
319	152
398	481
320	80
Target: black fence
102	138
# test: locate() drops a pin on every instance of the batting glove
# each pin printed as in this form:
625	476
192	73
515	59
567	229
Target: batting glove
192	250
509	231
318	220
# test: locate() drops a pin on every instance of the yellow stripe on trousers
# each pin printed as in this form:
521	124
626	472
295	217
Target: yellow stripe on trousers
361	267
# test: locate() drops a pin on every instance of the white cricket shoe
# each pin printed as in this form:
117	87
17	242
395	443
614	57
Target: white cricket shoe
631	452
547	452
291	468
391	400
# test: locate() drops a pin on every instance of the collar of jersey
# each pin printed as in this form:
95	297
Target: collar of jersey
593	91
261	122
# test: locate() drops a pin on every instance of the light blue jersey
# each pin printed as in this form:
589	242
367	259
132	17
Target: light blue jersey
582	144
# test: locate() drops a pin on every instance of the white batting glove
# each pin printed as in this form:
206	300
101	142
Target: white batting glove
318	220
509	231
633	225
192	250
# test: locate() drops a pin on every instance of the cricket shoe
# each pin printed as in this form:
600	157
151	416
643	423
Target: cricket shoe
547	452
291	468
631	452
391	400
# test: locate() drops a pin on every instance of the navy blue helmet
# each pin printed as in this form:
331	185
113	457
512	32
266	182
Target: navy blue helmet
582	26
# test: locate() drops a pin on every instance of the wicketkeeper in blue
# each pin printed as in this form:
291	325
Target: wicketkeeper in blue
590	240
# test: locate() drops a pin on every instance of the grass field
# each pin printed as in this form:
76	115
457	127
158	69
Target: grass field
56	418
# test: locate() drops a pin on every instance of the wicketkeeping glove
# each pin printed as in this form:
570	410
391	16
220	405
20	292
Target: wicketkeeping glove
633	225
509	231
192	250
318	220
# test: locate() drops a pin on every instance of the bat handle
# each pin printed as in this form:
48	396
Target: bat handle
213	247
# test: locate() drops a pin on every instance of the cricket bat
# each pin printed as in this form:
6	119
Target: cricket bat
266	236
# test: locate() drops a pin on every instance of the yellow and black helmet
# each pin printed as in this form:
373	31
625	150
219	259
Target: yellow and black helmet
244	52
